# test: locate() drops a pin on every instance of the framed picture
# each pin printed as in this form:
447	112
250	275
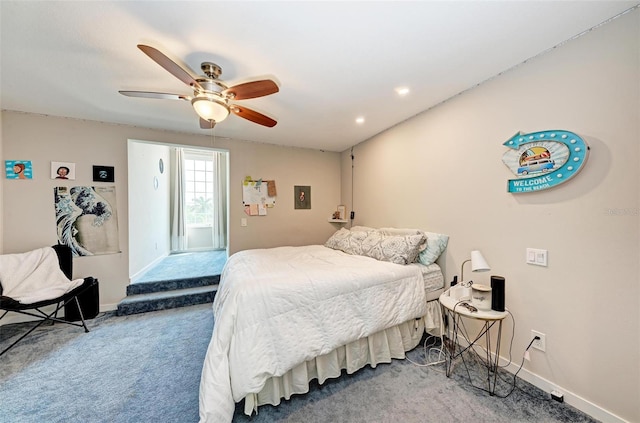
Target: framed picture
302	197
343	212
103	174
18	169
63	170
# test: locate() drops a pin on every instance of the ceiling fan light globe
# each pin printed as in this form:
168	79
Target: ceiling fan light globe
210	108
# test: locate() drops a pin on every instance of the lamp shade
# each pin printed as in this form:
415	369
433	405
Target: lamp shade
210	108
478	263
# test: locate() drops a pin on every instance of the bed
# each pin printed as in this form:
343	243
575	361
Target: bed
287	315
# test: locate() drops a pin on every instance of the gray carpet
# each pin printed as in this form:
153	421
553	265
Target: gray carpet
185	266
146	368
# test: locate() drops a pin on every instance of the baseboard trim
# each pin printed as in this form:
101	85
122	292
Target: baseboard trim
547	386
570	398
132	278
108	307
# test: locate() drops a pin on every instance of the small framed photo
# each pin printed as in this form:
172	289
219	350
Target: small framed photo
63	170
342	210
302	197
18	169
103	174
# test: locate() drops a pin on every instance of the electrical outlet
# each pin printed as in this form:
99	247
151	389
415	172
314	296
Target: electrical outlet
557	395
539	344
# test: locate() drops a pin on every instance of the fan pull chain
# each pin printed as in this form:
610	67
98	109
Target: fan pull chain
213	138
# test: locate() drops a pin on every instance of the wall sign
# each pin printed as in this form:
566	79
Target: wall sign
542	160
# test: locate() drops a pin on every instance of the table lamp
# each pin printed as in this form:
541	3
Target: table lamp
478	264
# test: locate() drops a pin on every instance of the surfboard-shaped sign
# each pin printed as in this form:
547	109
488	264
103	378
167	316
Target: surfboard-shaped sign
543	160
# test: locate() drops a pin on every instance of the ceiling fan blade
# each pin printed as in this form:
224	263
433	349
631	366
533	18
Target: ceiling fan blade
253	116
169	65
251	89
161	96
207	124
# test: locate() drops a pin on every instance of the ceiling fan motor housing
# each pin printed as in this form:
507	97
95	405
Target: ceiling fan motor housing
210	86
211	96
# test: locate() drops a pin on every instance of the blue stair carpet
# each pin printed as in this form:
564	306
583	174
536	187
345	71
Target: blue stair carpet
179	280
185	266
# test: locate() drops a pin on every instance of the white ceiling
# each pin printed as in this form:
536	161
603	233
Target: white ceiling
334	61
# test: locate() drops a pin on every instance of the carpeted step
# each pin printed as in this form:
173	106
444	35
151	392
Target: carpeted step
171	284
154	301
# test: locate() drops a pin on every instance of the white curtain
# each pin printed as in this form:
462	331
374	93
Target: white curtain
178	228
219	224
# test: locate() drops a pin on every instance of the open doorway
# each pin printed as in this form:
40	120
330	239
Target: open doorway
178	204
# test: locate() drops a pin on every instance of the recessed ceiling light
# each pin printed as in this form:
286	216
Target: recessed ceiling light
360	120
402	91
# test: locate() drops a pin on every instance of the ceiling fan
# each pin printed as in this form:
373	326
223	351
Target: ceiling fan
212	98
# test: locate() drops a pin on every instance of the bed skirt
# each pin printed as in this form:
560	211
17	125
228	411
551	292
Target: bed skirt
381	347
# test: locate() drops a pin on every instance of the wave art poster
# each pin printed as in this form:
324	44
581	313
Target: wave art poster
86	219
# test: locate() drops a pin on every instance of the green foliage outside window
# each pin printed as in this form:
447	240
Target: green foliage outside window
200	211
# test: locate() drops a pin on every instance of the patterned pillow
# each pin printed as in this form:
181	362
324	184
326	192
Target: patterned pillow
390	244
400	249
400	231
362	229
347	241
337	238
436	244
403	231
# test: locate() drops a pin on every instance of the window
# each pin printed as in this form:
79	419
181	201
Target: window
198	178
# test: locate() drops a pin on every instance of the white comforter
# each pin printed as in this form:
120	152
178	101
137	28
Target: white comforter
279	307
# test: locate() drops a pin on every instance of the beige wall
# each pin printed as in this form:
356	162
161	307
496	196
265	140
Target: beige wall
28	216
442	171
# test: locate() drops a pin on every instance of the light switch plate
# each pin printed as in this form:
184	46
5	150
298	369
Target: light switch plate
536	256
